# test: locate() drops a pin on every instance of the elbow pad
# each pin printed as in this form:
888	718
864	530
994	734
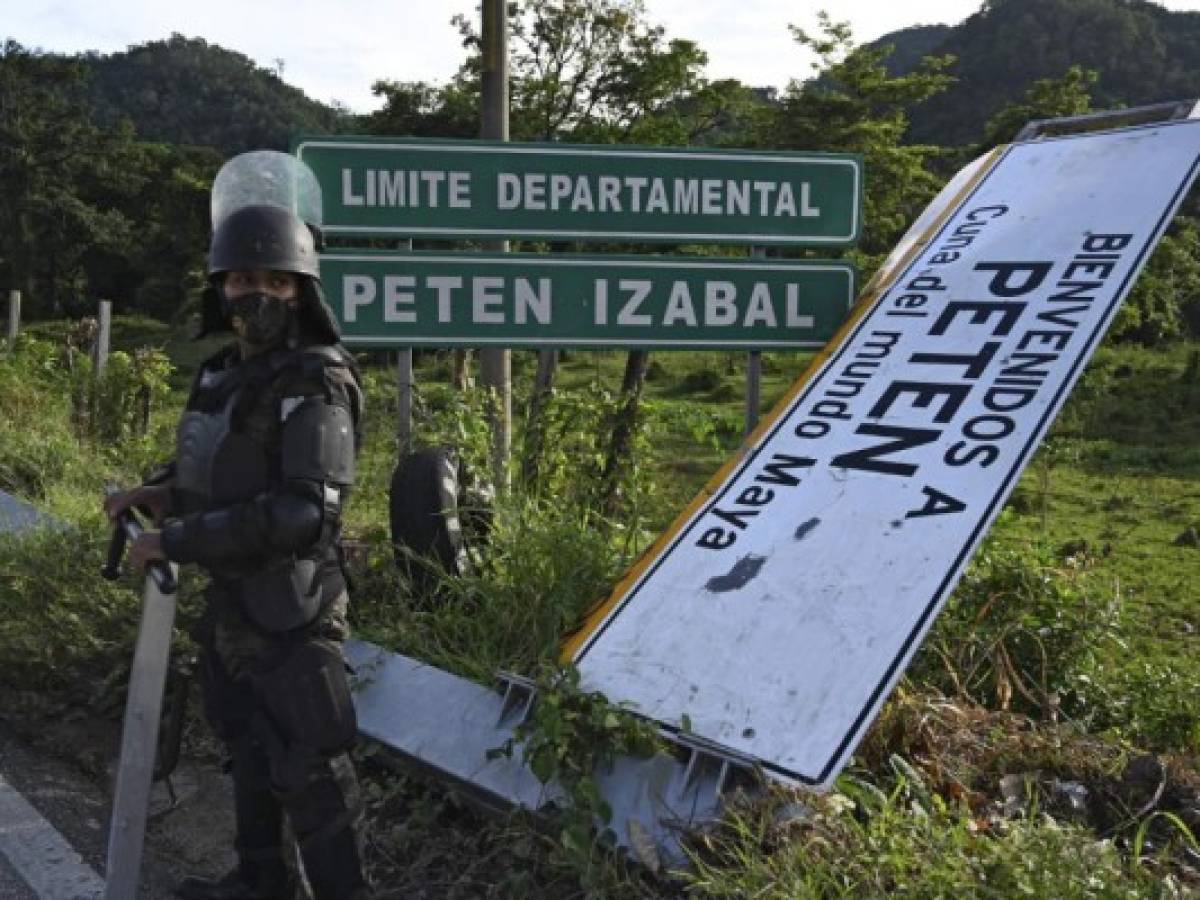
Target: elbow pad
295	518
283	522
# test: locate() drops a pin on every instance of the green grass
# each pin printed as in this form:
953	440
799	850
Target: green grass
1069	646
1115	491
859	842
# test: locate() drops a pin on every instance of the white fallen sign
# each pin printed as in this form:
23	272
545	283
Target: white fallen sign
780	609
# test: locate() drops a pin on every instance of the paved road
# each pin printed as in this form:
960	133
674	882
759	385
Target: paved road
194	835
12	885
45	800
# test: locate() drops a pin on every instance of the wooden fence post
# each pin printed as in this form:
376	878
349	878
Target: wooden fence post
104	338
14	316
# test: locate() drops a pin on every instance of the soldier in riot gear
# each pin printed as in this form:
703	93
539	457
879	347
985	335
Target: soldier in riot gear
265	457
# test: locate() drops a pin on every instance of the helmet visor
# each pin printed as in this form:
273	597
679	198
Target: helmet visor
266	177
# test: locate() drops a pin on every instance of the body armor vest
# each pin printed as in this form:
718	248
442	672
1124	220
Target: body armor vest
214	464
228	452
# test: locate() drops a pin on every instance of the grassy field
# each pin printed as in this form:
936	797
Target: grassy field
1068	655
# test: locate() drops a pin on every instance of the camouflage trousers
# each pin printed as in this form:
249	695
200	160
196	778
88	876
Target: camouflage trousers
273	772
243	648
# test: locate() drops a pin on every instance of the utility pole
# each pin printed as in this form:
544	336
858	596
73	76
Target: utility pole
496	365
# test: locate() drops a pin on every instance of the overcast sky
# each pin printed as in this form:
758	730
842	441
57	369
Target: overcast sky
335	50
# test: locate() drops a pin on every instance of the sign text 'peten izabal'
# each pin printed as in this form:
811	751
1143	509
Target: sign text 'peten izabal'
781	609
460	189
558	300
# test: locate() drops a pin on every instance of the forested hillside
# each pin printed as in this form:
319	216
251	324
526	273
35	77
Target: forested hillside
105	160
1142	52
187	91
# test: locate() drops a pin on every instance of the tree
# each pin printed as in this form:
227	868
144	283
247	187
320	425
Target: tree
189	92
855	106
597	71
1047	98
591	71
48	146
1164	304
419	109
87	212
1144	53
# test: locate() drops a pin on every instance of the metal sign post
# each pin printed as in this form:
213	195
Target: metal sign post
404	395
754	370
104	339
495	362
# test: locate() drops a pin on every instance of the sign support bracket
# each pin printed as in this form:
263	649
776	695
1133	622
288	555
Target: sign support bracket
1113	118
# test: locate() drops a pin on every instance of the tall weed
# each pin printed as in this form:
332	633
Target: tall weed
861	841
64	627
1023	630
544	564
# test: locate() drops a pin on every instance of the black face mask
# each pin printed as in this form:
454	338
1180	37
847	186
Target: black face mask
266	319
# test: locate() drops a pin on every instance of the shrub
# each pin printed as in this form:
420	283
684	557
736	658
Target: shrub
1022	630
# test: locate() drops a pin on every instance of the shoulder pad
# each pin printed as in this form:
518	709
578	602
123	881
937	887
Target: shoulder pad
318	443
327	370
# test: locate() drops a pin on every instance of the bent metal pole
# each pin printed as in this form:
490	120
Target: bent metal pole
139	736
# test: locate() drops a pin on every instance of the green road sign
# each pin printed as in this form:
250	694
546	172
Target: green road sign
533	300
478	189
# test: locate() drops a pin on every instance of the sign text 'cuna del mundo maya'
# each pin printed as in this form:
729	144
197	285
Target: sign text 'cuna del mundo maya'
477	189
780	610
534	300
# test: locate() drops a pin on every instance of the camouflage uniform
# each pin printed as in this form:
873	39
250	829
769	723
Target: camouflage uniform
265	460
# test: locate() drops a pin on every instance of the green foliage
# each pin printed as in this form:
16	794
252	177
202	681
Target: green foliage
544	564
591	71
1023	630
64	626
87	212
115	404
905	841
37	448
186	91
424	110
1143	52
65	434
569	737
1164	305
1148	701
572	451
48	150
1047	98
857	107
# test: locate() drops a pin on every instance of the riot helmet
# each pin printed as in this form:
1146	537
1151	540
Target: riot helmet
266	215
264	237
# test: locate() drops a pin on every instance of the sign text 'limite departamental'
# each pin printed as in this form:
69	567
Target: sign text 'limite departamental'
781	609
476	189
